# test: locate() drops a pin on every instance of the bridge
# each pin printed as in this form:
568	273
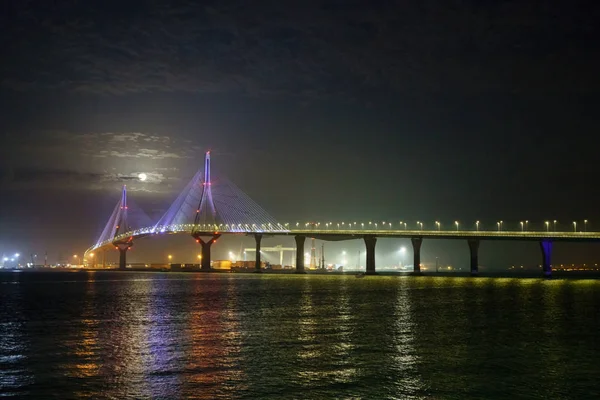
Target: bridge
207	209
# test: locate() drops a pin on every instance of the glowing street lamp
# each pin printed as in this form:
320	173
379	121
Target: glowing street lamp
522	225
402	252
526	223
477	225
547	226
456	223
574	226
554	225
585	225
420	224
439	226
498	224
170	257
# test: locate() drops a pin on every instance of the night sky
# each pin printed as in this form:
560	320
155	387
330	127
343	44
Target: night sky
319	110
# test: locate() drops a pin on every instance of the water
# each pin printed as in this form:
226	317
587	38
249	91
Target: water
235	336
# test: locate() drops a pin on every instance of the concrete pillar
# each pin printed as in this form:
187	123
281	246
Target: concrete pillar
300	253
123	257
370	242
258	238
546	247
205	263
123	247
416	243
474	247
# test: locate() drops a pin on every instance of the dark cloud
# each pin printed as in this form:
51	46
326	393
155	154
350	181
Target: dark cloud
37	178
310	48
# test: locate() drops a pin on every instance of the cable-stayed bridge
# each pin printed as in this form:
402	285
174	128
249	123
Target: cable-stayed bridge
207	209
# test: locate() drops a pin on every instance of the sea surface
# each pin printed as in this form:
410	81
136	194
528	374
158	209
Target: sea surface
136	335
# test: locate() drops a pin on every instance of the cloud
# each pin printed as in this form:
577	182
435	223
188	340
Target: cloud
41	178
303	49
142	153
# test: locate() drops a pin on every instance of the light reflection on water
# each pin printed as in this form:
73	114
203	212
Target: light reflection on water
136	335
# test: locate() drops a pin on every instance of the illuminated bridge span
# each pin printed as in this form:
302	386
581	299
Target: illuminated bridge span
206	210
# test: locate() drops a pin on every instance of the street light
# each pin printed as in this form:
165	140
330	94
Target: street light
585	225
526	222
521	226
498	224
420	224
439	226
477	225
574	226
554	225
402	252
456	222
547	226
170	257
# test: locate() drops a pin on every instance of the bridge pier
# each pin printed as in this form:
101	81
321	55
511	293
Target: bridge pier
370	242
546	247
300	253
205	262
123	247
258	238
474	248
416	244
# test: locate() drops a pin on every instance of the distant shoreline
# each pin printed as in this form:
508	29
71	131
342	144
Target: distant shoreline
555	274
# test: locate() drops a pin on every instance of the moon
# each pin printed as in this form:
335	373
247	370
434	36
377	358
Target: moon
143	177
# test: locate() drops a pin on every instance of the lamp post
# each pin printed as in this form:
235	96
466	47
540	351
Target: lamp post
170	257
547	226
522	225
402	252
574	226
456	222
585	225
554	225
420	224
526	222
498	224
477	225
439	226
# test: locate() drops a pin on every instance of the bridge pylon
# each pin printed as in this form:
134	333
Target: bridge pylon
123	244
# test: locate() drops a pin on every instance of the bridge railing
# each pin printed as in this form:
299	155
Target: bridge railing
284	229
